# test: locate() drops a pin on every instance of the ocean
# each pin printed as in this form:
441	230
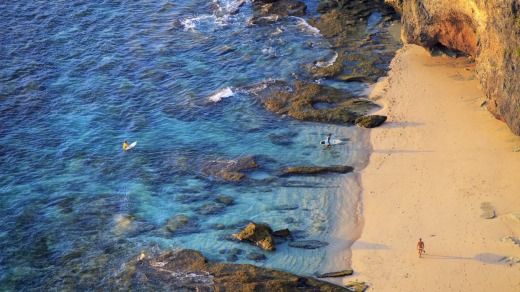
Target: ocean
80	77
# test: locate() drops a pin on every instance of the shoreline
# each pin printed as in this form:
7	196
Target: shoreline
438	159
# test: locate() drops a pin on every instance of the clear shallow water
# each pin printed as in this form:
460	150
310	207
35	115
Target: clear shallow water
79	78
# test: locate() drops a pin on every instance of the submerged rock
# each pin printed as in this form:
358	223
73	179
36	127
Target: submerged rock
260	234
257	257
229	170
308	244
210	208
188	270
180	224
370	121
307	170
306	101
226	200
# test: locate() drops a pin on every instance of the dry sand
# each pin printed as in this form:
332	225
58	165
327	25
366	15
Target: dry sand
439	156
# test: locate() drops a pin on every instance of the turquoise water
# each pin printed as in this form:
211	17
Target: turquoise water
80	77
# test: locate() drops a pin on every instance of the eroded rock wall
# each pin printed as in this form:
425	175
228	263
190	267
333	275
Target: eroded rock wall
487	30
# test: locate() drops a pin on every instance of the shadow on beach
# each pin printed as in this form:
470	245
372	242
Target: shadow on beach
487	258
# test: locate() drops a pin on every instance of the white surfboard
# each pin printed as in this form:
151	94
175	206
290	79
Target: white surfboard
131	145
332	141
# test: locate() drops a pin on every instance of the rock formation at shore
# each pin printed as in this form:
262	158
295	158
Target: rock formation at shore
489	31
188	270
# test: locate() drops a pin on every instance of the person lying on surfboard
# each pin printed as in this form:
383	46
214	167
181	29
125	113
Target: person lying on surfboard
125	145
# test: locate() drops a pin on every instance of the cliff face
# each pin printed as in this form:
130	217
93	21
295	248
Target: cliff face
487	30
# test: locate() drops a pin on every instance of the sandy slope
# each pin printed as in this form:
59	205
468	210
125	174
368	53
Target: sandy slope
436	160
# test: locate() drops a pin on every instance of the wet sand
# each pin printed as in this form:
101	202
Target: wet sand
436	160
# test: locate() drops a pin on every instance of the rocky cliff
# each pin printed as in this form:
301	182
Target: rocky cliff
487	30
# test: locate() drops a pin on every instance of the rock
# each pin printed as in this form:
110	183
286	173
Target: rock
260	234
515	216
308	170
267	11
180	224
301	99
188	270
285	207
282	233
218	226
488	212
257	257
336	274
210	208
308	244
370	121
226	200
356	286
229	170
463	27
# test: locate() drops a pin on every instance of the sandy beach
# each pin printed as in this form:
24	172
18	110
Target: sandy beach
439	157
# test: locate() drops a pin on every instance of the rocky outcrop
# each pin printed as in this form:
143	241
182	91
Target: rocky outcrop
370	121
489	31
312	102
266	11
260	234
336	274
188	270
311	170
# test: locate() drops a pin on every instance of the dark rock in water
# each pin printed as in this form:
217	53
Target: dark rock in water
336	274
268	11
289	220
282	233
232	258
226	200
306	170
191	198
280	139
130	226
370	121
180	224
308	244
188	270
210	208
298	101
229	170
260	234
218	226
286	207
257	257
299	233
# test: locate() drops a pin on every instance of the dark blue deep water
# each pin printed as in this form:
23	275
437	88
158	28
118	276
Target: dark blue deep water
77	78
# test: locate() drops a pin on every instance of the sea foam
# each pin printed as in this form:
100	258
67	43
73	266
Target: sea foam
223	93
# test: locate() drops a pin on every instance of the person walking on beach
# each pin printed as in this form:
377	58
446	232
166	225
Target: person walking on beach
420	247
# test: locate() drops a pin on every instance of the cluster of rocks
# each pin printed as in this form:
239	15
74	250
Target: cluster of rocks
364	51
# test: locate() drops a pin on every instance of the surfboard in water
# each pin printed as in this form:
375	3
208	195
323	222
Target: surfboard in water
332	141
131	146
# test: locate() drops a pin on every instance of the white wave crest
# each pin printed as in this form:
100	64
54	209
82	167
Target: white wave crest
305	26
327	63
223	93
